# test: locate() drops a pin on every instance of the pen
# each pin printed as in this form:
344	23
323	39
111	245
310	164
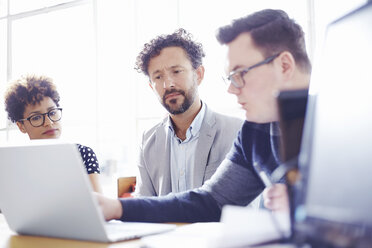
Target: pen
263	175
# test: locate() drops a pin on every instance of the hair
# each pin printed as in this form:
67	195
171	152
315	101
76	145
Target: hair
28	90
180	38
272	32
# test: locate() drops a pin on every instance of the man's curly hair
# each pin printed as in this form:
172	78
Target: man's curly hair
27	90
180	38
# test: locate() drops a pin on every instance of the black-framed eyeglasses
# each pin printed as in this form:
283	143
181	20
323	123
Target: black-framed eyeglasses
38	120
236	77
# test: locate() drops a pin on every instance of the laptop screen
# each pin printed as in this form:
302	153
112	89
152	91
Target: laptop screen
336	152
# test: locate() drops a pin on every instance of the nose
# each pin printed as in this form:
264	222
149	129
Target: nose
47	121
233	90
168	81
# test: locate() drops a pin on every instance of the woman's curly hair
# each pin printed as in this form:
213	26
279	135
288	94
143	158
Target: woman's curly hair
180	38
30	89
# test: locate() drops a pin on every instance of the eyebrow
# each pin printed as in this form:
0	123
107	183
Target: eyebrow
237	67
172	67
39	112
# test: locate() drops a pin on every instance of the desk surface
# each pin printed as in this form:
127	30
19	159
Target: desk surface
9	239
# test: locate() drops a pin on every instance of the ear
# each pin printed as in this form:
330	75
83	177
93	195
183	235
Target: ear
21	127
200	74
287	65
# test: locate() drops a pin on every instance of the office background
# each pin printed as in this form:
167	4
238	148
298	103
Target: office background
89	48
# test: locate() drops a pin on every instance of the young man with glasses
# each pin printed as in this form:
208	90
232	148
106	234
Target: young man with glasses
185	148
32	102
266	54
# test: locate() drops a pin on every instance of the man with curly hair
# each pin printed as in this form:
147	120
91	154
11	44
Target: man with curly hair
185	149
266	54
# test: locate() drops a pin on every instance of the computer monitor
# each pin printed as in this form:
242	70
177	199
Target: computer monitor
334	198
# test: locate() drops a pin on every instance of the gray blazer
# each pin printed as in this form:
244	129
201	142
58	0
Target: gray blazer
216	137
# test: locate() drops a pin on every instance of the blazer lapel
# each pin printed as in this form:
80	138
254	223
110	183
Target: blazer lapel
206	137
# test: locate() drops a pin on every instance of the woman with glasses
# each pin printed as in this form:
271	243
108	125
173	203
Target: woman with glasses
32	102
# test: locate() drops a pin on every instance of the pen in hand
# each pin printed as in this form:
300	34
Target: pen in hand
263	175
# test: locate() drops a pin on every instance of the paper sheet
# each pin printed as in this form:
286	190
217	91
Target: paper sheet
239	226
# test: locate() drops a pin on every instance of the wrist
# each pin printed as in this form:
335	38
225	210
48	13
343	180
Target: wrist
118	212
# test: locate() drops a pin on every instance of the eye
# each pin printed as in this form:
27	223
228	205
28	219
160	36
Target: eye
242	73
177	71
53	112
36	117
157	78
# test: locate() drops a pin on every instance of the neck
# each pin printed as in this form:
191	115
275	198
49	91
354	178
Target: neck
299	81
182	122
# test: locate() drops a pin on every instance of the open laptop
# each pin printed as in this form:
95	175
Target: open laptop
45	191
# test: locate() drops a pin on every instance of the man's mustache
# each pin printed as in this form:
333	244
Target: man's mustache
173	91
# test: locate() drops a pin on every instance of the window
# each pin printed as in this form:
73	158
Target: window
89	48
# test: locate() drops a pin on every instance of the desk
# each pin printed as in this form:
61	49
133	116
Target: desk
9	239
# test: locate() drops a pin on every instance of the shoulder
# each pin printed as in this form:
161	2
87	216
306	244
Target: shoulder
89	159
221	120
156	129
84	149
229	120
262	128
255	133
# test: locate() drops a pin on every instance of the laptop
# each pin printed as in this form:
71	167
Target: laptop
45	191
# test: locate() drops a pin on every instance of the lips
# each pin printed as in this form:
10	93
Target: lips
50	131
171	95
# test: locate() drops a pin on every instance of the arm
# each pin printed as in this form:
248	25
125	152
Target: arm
232	184
190	206
144	185
92	166
111	208
94	180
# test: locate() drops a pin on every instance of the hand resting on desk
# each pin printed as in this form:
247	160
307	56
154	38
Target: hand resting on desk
276	198
111	208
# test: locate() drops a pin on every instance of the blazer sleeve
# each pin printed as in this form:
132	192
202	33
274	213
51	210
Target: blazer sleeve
144	186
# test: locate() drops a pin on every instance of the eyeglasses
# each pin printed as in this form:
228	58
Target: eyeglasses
38	120
236	77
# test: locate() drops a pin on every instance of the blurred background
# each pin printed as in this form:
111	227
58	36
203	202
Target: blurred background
89	48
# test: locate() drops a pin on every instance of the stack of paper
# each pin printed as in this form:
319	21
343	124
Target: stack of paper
239	226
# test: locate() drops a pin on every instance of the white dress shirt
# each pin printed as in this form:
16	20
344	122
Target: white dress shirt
182	154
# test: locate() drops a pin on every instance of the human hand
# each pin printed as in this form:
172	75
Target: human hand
111	208
276	198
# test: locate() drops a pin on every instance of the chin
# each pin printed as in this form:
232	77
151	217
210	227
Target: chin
54	136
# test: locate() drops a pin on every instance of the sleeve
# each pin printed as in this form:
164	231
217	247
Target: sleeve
144	186
89	159
232	184
190	206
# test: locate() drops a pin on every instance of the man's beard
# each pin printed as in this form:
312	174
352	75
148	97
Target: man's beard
189	98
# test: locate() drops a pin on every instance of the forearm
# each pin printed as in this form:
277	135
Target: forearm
233	184
190	206
94	180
